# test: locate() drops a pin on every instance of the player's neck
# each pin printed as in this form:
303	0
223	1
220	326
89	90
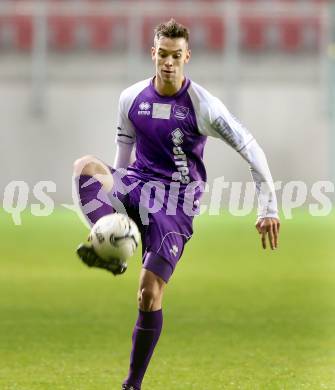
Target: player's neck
168	89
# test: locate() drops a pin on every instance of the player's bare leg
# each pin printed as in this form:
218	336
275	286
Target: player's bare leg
148	327
93	167
92	176
150	292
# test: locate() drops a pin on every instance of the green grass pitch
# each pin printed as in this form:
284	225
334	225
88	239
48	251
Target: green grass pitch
235	316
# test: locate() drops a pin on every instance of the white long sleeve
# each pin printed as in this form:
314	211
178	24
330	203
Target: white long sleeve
267	202
215	120
125	138
123	155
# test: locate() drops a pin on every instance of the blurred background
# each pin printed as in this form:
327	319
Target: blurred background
64	63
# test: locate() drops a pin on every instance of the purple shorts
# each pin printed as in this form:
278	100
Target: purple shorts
163	236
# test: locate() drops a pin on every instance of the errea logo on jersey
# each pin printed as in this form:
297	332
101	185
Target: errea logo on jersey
177	137
180	158
144	108
174	250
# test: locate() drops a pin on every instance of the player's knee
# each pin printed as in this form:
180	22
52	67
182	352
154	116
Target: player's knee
86	165
148	298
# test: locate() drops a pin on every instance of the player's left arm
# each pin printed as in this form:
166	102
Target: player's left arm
223	125
267	223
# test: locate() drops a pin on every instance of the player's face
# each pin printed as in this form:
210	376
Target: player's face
170	56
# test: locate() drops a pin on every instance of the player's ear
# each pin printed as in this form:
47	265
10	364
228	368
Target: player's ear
188	56
153	53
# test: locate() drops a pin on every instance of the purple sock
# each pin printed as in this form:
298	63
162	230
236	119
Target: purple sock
94	201
145	336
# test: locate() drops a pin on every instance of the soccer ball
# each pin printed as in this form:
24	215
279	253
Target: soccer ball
115	237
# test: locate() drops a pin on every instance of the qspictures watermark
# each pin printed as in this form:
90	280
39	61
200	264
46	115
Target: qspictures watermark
16	195
241	198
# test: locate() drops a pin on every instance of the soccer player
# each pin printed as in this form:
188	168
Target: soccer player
167	118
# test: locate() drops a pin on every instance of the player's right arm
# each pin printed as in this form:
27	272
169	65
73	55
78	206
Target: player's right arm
125	136
123	155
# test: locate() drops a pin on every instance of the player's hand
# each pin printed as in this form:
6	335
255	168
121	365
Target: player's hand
268	227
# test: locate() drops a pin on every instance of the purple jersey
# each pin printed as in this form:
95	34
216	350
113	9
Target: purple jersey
170	134
169	146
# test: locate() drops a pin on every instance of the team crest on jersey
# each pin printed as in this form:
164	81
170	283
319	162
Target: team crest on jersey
177	137
144	108
180	112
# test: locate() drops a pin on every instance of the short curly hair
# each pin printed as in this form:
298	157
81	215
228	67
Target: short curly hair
171	29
